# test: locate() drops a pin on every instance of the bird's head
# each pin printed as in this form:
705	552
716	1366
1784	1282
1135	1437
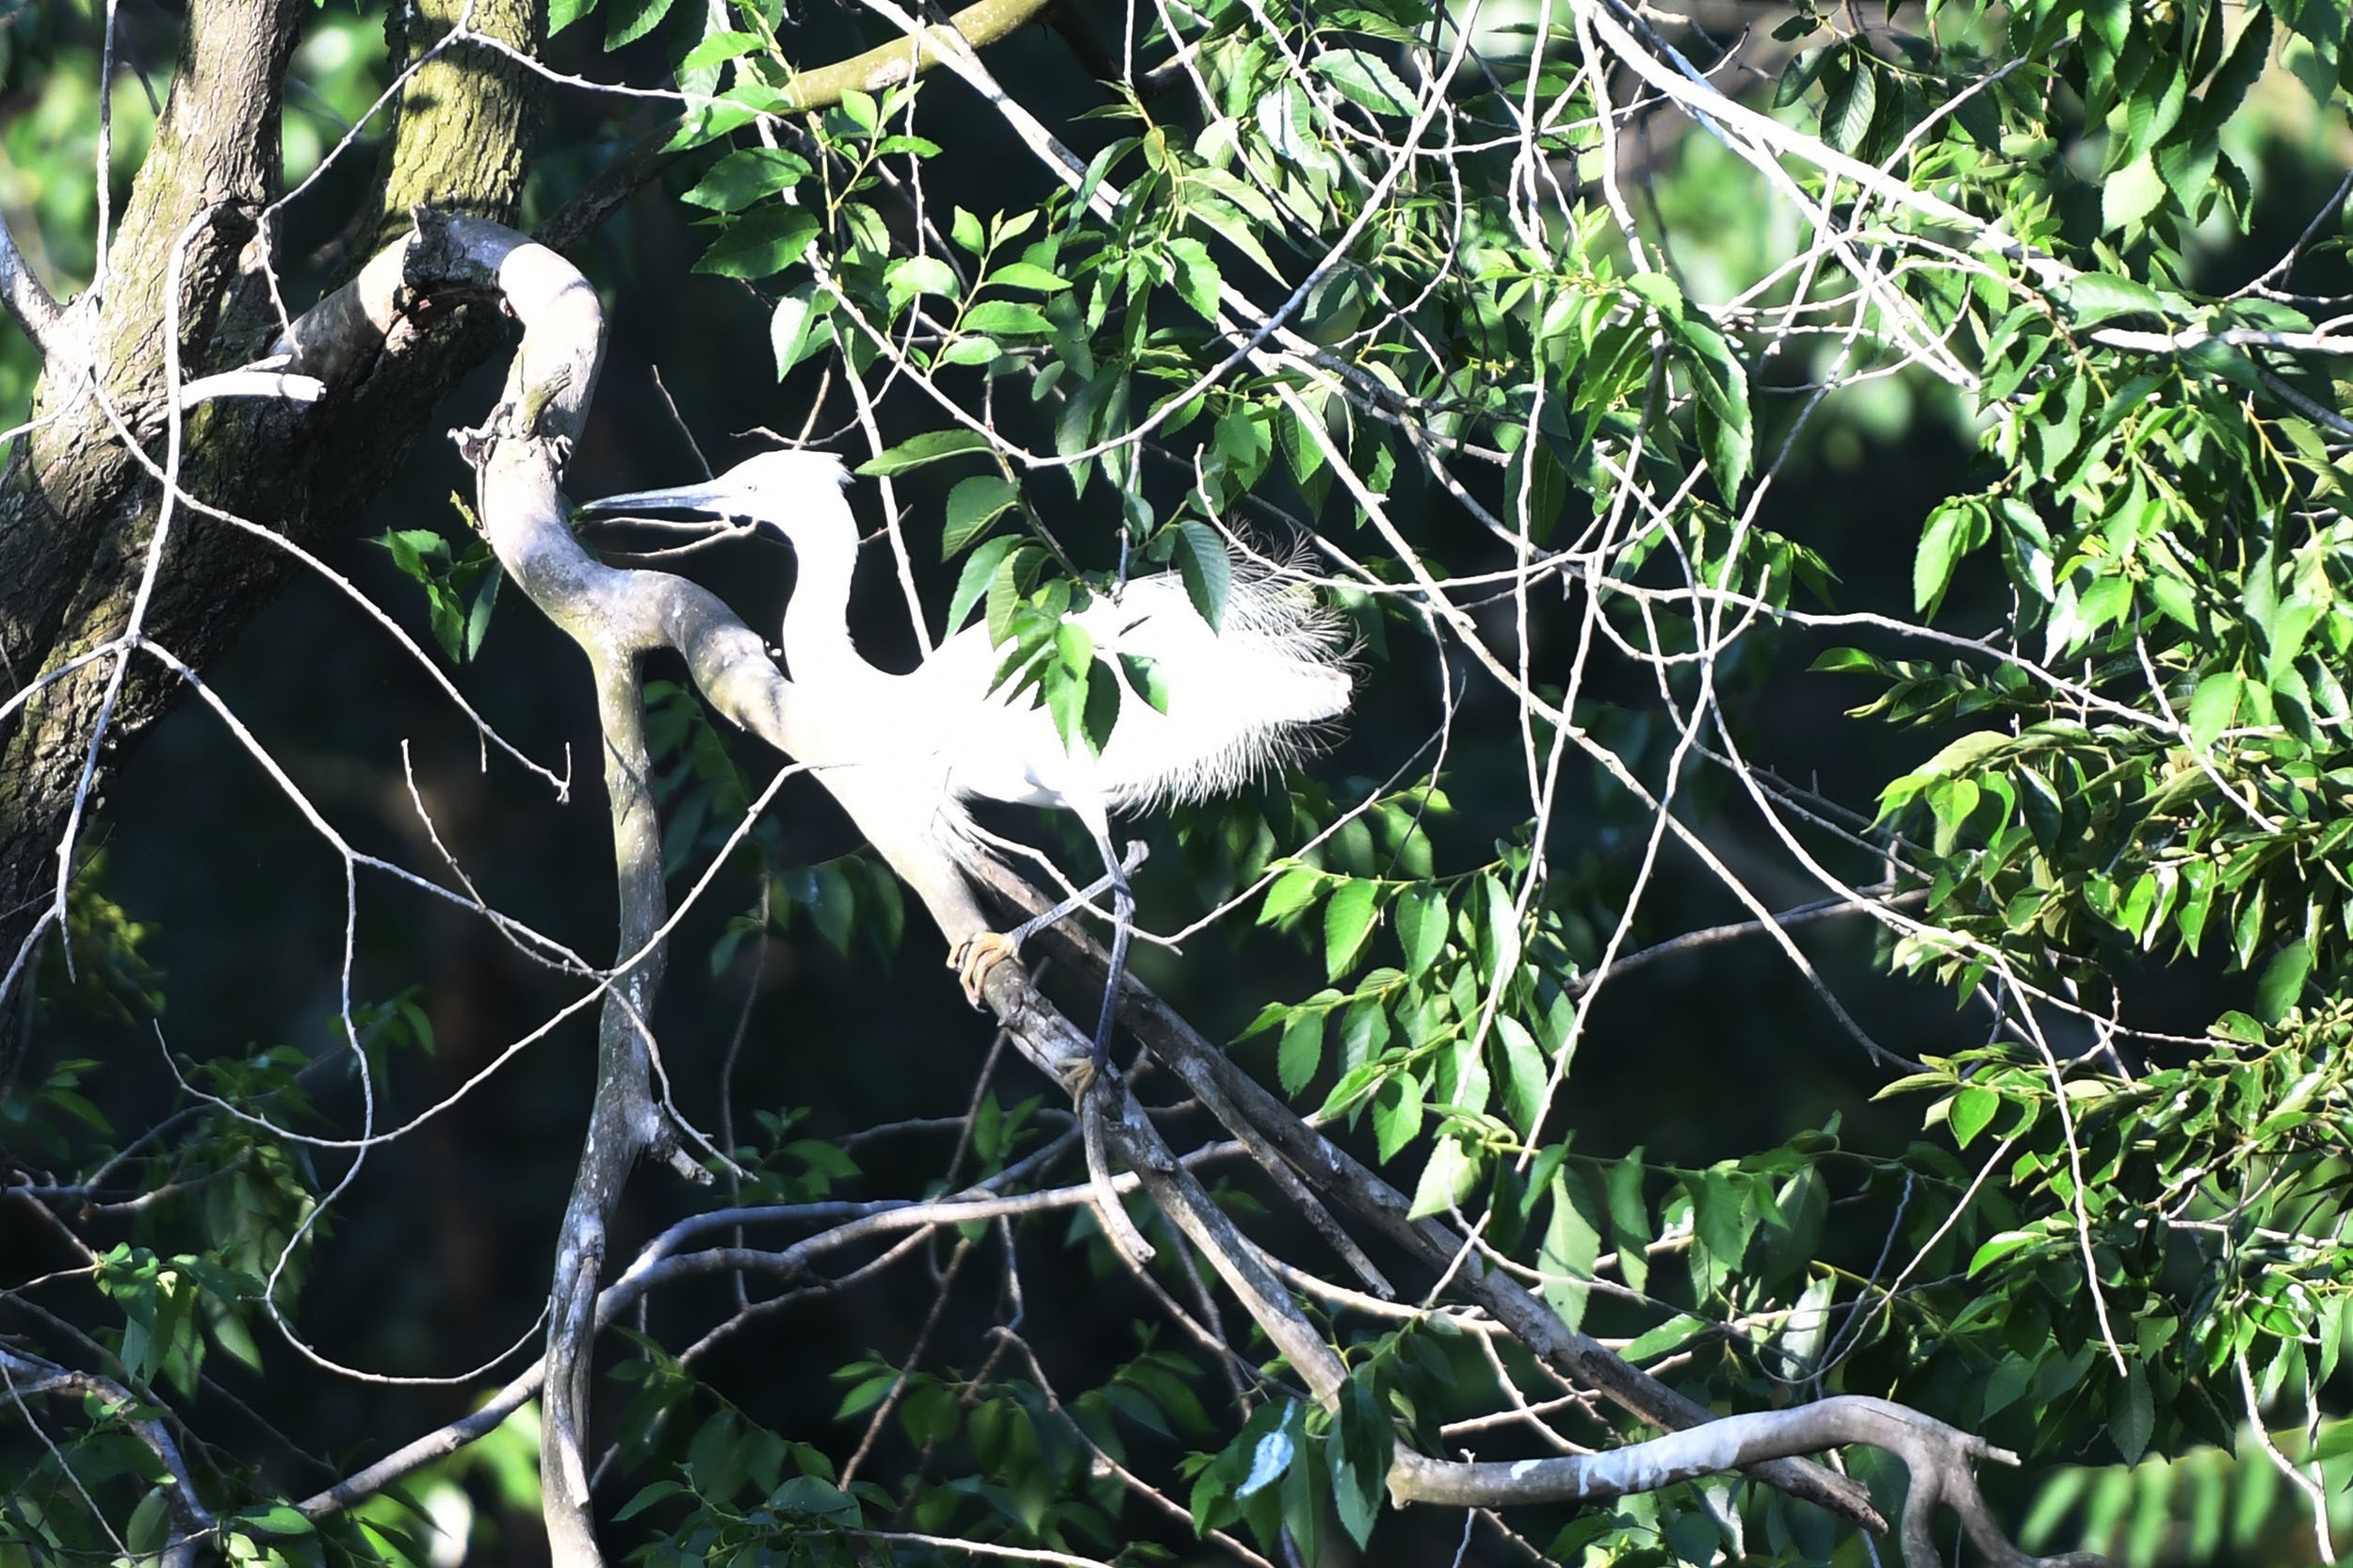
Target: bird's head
792	492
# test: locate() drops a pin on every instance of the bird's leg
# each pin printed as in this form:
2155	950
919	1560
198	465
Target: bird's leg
1123	919
975	956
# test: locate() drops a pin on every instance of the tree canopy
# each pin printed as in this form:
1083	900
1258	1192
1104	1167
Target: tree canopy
1812	979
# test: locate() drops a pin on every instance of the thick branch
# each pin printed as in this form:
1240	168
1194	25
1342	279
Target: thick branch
517	457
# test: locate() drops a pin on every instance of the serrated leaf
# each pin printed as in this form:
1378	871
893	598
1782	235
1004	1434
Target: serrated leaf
1571	1246
744	177
1206	570
1028	275
972	584
2282	983
718	49
789	335
1952	531
1301	1052
1348	919
909	276
931	447
1291	892
1524	1073
1006	318
1422	925
1973	1109
1851	103
2214	707
1396	1110
2132	1414
760	243
1445	1179
972	506
1364	80
2132	193
627	21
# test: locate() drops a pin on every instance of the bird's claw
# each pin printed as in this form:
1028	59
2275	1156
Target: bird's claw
975	956
1078	1074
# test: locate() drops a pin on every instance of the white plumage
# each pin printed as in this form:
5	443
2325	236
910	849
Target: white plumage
1240	699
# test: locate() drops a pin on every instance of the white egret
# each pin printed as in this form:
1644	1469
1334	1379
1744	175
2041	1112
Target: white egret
903	753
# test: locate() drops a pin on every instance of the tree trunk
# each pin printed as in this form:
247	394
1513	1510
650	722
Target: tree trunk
80	508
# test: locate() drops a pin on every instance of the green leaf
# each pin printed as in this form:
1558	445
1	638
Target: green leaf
1571	1246
973	582
741	178
2132	1414
1301	1052
1421	924
931	447
1290	893
281	1520
2214	707
1851	103
478	619
627	21
1676	1331
2002	1246
411	548
1006	318
1952	531
2282	983
1206	570
1503	932
972	506
909	276
563	13
1348	919
788	333
1021	274
1196	277
1524	1073
760	243
1445	1180
1360	1457
1722	417
2093	297
1364	80
1146	680
716	49
2131	194
1396	1112
1973	1109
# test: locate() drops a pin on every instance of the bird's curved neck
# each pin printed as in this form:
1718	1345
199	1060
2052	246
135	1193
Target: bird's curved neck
817	618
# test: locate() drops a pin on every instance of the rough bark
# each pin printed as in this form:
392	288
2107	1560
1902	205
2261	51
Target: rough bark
78	505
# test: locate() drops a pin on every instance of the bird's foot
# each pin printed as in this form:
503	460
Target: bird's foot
1078	1074
976	955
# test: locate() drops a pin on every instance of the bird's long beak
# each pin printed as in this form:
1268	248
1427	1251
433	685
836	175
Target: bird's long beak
710	496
